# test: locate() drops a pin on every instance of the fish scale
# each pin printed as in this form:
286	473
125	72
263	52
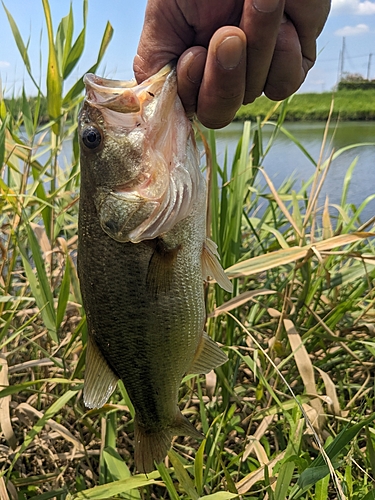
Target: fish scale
143	254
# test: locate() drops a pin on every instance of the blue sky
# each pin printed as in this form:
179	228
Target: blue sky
352	19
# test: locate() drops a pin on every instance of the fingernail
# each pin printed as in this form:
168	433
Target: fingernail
196	68
266	5
229	53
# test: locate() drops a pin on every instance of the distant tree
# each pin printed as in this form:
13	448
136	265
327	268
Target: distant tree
355	81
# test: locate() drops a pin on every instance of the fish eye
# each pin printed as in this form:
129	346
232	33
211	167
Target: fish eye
91	137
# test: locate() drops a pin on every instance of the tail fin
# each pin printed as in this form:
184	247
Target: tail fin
152	446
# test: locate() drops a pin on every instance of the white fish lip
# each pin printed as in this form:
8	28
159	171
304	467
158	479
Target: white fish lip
123	96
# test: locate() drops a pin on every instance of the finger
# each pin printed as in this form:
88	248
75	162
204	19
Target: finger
260	22
165	35
190	70
223	85
286	72
308	19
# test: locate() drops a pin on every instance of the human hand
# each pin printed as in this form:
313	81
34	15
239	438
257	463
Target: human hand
230	51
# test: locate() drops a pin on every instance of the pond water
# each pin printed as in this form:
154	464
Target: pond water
285	159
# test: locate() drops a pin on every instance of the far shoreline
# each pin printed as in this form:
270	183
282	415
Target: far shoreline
348	105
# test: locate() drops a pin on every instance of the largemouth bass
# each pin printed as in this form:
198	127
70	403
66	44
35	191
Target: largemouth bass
143	254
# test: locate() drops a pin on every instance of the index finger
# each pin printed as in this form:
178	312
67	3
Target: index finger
158	45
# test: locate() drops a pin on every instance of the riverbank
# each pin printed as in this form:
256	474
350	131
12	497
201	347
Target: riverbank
349	105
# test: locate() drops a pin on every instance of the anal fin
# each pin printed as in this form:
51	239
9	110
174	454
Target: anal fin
100	381
207	357
212	267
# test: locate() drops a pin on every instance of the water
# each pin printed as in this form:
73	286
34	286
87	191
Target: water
285	159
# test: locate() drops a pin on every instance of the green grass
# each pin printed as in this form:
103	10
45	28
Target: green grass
348	105
290	416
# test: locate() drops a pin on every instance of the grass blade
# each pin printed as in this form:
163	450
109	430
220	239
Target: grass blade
20	44
39	283
165	475
63	295
318	470
183	477
54	81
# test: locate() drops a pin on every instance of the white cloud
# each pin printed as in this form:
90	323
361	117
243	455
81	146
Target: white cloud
352	30
4	64
359	7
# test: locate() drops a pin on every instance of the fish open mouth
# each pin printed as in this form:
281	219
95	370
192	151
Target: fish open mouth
123	96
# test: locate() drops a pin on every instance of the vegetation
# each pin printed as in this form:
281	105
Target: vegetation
355	82
289	416
349	105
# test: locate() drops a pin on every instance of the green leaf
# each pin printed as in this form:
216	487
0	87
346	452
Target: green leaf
347	180
118	470
126	398
60	41
68	37
105	491
2	140
116	465
39	283
164	473
15	389
74	54
183	477
106	38
198	467
321	489
20	44
26	113
318	469
370	449
370	495
63	295
79	85
54	83
283	480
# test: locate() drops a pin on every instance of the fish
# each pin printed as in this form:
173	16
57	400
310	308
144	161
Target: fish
143	254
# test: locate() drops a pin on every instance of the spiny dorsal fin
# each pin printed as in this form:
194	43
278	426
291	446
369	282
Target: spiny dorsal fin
100	381
208	356
212	267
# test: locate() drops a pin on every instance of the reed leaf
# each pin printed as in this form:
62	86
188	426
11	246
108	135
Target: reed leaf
78	87
54	80
22	48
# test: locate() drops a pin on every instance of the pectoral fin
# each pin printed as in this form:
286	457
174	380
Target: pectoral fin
160	268
100	381
207	357
212	267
